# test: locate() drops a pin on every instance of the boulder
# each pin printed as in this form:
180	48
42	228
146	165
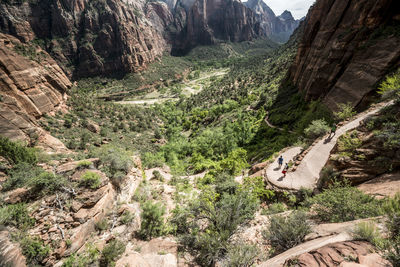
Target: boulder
17	195
93	127
10	253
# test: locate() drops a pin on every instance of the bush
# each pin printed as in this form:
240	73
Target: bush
316	129
341	202
114	158
90	180
275	208
241	255
34	250
84	164
369	232
111	252
287	232
16	152
16	215
46	182
345	111
158	176
20	175
391	85
152	221
101	225
127	217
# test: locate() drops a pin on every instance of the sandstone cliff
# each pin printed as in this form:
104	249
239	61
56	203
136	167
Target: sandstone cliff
31	83
277	28
346	48
204	22
86	37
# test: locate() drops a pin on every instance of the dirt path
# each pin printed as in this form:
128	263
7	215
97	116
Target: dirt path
273	126
189	85
307	173
145	101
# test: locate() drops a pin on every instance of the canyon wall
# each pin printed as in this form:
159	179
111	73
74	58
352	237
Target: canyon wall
347	48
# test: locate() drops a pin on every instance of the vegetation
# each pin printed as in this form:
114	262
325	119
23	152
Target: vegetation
345	111
90	180
16	152
341	202
316	129
111	252
34	250
241	255
152	221
286	232
16	215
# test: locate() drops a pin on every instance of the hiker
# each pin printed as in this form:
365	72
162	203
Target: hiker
333	130
280	161
285	170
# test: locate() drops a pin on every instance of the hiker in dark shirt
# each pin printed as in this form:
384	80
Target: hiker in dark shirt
280	161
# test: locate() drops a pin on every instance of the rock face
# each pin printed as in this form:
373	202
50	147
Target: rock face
346	48
351	253
86	37
32	84
279	28
205	21
11	254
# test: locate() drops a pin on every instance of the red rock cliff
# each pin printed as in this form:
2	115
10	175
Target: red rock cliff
347	47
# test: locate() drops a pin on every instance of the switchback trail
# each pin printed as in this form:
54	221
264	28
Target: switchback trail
307	173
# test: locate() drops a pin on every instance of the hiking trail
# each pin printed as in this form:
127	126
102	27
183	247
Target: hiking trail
307	173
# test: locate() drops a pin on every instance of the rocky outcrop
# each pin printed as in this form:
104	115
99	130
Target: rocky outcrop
350	253
10	253
32	84
87	37
277	28
207	21
346	48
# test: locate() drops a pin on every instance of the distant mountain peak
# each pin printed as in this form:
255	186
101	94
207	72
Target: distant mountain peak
286	15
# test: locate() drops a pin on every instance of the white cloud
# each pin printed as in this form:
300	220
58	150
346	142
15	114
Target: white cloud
298	8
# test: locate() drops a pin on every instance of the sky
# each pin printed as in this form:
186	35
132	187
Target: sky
298	8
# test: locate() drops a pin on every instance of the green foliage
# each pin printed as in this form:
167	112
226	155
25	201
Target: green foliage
286	232
345	111
84	164
235	162
158	176
341	202
257	187
391	85
316	129
152	220
16	215
45	182
20	175
368	231
114	158
349	142
127	217
101	225
275	208
90	180
241	255
34	250
220	215
111	252
17	152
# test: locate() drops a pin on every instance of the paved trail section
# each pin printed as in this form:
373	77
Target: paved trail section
307	173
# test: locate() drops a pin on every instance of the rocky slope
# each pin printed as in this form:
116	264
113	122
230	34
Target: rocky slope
86	37
346	48
278	28
32	84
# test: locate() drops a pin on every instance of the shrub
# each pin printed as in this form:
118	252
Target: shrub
257	187
369	232
152	221
127	217
101	225
158	176
16	215
111	252
287	232
84	164
17	152
235	162
349	142
34	250
20	175
275	208
391	85
241	255
114	158
341	202
90	180
345	111
46	182
316	129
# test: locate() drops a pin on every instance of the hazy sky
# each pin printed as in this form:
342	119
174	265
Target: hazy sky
298	8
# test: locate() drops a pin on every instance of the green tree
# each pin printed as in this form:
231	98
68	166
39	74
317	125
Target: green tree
152	220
